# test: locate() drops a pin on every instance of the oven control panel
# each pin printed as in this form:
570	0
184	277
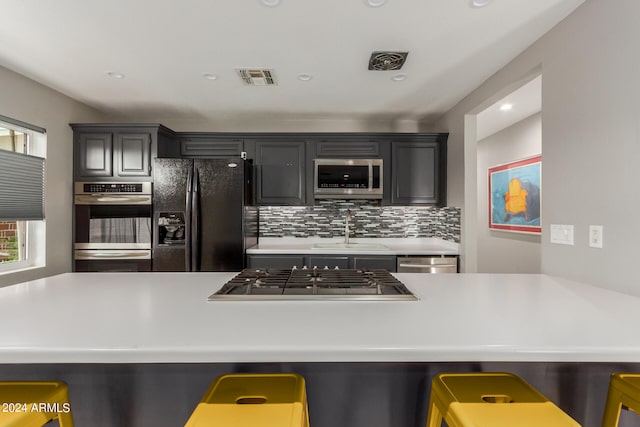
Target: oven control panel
113	187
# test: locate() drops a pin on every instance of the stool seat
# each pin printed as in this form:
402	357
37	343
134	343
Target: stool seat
253	400
624	390
34	403
491	400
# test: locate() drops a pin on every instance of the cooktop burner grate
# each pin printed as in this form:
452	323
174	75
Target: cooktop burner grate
314	284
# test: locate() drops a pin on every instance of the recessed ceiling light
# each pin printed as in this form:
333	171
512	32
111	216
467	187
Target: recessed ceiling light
270	3
305	77
480	3
374	3
210	76
399	77
506	107
115	75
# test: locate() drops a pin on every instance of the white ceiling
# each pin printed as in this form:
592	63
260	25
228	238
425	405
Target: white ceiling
164	46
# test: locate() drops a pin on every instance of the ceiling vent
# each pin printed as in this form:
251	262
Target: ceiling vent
385	61
257	76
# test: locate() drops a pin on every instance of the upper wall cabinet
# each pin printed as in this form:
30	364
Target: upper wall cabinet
208	146
93	155
116	152
280	172
418	171
347	148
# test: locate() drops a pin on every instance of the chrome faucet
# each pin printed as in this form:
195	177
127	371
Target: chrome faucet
346	226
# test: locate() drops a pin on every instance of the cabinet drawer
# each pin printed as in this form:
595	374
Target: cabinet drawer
375	262
275	261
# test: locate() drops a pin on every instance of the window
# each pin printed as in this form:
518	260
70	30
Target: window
22	237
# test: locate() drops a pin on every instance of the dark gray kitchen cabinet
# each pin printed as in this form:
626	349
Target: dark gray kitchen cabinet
329	261
117	152
94	155
202	146
134	154
375	262
276	261
280	172
342	261
347	149
418	172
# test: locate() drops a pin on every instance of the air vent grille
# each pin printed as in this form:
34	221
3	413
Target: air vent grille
384	61
257	76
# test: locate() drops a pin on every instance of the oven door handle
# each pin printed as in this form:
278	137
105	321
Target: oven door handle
99	199
112	255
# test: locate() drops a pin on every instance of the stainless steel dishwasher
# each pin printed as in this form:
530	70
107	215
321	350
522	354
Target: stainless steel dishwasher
428	264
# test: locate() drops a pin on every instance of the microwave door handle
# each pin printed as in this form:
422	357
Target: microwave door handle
195	223
370	176
188	231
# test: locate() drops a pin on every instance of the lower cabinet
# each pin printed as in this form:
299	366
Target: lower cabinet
368	262
276	261
375	262
322	261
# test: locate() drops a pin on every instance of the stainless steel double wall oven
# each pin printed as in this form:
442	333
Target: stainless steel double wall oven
112	226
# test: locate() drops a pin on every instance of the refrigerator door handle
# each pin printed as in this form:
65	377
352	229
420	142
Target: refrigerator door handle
195	219
187	208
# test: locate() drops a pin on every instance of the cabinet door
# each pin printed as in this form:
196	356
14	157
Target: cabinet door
348	149
275	261
280	173
208	147
322	261
375	262
134	154
415	170
94	155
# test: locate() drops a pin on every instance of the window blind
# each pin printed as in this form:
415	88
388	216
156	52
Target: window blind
21	187
22	124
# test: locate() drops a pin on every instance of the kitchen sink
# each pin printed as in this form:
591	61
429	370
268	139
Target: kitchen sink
343	245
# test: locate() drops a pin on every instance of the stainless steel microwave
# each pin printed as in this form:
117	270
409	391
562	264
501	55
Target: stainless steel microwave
347	178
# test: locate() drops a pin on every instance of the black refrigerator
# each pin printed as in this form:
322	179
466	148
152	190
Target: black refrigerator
204	216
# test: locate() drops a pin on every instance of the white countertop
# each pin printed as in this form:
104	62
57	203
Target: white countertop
165	317
395	246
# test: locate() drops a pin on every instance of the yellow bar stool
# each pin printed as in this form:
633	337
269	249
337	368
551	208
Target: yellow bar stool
253	400
491	400
34	403
624	391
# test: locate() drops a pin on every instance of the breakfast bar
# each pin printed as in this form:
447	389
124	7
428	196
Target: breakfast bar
140	339
166	318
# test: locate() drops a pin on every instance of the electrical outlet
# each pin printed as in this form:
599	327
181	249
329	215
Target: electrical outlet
595	236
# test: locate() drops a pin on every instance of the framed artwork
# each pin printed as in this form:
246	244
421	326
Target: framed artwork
514	196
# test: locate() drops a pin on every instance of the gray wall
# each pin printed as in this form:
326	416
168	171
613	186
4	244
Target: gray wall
24	99
502	251
590	140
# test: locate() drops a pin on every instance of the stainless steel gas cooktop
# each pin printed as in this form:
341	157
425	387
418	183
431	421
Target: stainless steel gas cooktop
314	284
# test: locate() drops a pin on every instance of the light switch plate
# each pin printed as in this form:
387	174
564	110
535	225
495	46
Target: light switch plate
595	236
562	234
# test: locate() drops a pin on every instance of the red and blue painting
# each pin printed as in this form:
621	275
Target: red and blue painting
515	196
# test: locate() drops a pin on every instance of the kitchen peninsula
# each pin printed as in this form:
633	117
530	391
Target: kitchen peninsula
118	334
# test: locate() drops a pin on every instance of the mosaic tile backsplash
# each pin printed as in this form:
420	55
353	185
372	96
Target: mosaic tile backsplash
327	219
